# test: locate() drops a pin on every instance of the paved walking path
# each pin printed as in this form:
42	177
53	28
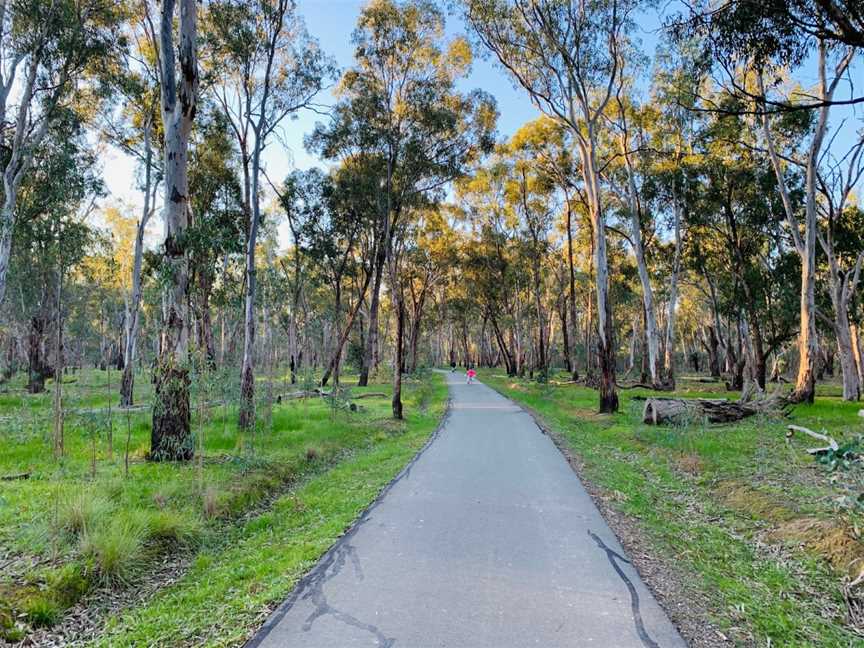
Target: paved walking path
487	540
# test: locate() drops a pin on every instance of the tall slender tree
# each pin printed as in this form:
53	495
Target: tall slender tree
399	107
170	437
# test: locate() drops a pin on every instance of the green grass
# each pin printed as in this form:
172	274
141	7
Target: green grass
103	529
717	501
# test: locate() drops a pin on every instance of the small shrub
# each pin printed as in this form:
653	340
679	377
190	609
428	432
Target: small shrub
42	610
68	584
81	511
10	630
115	550
843	457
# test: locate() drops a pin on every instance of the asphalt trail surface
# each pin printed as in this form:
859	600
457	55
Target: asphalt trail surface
487	539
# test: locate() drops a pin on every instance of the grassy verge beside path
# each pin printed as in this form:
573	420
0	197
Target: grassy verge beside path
186	554
231	588
753	526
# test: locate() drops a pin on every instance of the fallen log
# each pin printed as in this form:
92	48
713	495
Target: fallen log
303	393
369	395
15	477
660	411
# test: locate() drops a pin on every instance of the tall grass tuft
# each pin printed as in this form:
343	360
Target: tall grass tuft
174	529
82	511
115	550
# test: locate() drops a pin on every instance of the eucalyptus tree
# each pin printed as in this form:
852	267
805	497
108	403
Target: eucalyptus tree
134	128
671	124
170	436
328	214
51	238
49	50
530	195
491	267
806	241
755	47
568	56
433	249
399	106
782	33
216	228
631	138
738	244
549	144
841	237
263	67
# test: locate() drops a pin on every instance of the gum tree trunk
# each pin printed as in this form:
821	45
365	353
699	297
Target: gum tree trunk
398	354
572	278
605	344
669	360
372	337
171	439
652	331
133	304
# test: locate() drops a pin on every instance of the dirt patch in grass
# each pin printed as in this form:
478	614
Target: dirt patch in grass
831	539
690	463
754	502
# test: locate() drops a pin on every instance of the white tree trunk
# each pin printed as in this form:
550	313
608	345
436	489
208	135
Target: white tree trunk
857	352
170	436
606	351
669	360
652	330
133	302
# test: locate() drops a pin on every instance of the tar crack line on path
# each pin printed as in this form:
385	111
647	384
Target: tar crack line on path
311	586
614	557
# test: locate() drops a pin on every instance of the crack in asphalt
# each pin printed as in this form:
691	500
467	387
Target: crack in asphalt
614	557
315	593
311	586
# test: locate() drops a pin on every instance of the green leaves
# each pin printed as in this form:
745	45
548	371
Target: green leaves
845	456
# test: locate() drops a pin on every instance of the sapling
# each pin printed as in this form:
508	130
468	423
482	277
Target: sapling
128	440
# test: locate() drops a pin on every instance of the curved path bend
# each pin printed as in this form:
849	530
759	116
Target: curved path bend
487	539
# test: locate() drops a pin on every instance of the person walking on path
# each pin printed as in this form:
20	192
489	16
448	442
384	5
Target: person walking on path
471	374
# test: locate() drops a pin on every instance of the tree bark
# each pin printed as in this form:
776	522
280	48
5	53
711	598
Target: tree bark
660	411
855	335
712	346
605	340
38	366
572	277
398	354
652	333
669	360
133	304
170	438
374	304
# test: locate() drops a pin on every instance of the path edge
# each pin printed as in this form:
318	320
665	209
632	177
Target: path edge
325	559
